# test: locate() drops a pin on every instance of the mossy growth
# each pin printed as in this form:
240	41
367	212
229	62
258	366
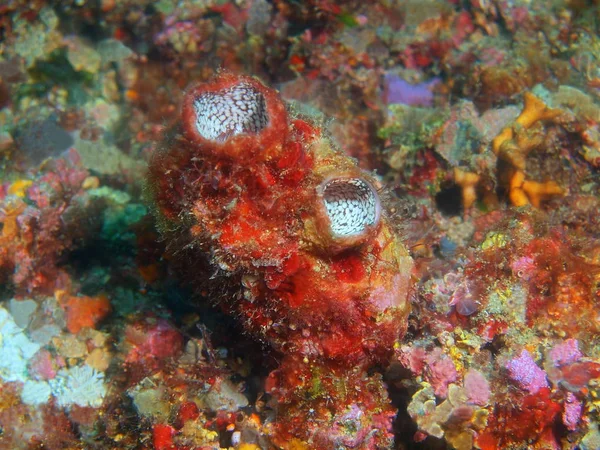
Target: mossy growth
407	131
411	126
56	70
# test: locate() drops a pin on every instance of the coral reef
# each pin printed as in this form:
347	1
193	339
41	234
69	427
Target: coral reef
256	294
518	334
297	232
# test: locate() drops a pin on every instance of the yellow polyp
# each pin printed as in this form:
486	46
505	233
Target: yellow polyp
494	240
532	348
467	339
457	357
19	187
504	294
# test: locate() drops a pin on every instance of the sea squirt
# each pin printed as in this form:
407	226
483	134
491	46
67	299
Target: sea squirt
261	201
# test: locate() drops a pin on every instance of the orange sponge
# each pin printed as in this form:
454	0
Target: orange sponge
523	192
83	311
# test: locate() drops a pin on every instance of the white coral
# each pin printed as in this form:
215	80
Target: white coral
35	393
79	385
15	347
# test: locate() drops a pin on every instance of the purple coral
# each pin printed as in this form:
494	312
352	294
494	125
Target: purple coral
399	91
525	372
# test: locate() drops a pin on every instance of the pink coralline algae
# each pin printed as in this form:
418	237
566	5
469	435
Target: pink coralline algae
477	387
572	412
43	366
152	340
525	372
441	372
565	353
436	367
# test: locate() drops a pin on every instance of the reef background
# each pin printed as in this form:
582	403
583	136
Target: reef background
481	120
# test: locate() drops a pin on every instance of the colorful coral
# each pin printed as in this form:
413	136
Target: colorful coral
280	296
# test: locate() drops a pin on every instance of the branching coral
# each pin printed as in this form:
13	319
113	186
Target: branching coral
522	192
515	142
534	111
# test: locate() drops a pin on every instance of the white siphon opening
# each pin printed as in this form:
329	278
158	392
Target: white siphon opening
352	206
240	109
